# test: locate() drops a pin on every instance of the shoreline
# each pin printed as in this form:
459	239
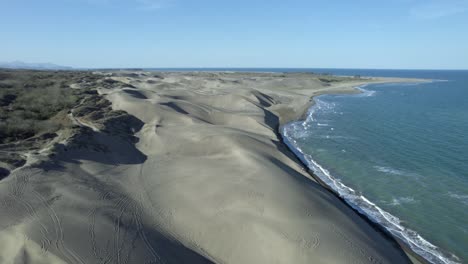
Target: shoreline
302	117
192	168
302	114
348	89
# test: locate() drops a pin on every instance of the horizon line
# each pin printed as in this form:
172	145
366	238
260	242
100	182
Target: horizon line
277	68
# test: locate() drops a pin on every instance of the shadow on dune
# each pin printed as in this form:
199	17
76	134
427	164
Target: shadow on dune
135	93
154	246
264	99
175	107
115	144
272	120
171	251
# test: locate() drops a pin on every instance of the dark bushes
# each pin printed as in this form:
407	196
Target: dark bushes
29	101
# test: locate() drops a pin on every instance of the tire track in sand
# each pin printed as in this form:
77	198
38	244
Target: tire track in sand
137	213
70	255
118	243
16	195
32	214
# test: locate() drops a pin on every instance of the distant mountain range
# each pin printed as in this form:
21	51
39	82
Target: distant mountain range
32	66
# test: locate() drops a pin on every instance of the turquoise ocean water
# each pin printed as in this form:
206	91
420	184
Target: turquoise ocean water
399	154
396	152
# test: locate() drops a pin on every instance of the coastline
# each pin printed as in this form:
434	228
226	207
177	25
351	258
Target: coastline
301	114
194	171
414	256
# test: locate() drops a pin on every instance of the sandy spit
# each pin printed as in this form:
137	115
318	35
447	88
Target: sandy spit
203	178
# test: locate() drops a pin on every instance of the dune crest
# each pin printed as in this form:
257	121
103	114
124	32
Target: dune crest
195	173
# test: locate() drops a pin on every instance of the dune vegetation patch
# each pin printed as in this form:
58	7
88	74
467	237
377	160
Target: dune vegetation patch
38	109
34	106
32	102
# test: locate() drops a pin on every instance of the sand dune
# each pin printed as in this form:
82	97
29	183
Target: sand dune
197	175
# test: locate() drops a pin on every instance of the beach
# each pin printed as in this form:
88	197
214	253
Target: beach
186	167
393	152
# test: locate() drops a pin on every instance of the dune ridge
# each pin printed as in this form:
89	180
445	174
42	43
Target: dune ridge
187	168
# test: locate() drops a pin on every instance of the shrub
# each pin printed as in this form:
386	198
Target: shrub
29	99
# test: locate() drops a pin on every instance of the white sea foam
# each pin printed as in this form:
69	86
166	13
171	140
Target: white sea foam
333	137
360	202
389	170
393	171
320	106
402	200
364	92
461	197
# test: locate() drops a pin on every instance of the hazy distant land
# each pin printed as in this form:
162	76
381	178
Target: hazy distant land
32	66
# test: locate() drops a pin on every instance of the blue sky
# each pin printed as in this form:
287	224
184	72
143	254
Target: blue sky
409	34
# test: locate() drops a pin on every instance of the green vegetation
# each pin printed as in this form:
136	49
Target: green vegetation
35	108
34	102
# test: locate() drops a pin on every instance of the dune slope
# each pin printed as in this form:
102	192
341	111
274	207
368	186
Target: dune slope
196	174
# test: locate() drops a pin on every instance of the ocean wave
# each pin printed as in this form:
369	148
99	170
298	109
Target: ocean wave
364	92
360	203
393	171
389	170
333	137
320	106
401	200
461	197
302	128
